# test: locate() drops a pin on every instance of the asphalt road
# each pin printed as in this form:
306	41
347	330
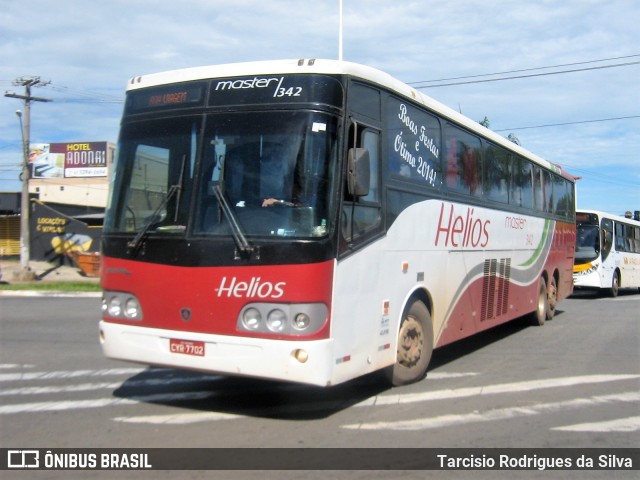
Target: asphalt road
572	383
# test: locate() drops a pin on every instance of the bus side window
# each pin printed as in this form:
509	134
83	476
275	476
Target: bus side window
538	196
547	192
619	237
362	215
559	196
636	239
561	206
497	163
521	194
463	161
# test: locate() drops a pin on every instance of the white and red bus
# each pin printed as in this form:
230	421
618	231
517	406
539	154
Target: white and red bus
314	221
607	252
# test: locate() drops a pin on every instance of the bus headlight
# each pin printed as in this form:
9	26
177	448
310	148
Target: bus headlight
276	320
121	305
114	307
131	308
251	319
296	319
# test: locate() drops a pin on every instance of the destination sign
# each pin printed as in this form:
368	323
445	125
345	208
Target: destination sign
174	96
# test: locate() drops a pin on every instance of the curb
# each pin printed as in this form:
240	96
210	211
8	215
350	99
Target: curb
50	294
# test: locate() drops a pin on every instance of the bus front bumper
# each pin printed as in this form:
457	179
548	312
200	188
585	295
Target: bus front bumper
307	362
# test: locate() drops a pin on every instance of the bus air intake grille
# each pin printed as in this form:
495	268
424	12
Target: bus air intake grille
495	288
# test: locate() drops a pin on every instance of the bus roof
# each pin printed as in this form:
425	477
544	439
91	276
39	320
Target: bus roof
334	67
619	218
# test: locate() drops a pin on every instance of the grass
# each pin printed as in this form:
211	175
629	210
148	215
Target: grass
54	286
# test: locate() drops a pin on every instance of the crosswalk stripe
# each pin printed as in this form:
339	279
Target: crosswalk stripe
101	402
448	375
630	424
12	377
84	387
63	405
496	414
395	399
179	418
163	380
12	366
491	389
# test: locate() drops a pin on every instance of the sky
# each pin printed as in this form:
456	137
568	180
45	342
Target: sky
563	76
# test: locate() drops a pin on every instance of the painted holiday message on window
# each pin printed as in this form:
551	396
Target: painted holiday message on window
414	145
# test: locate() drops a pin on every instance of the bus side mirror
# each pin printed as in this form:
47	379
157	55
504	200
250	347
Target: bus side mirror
359	172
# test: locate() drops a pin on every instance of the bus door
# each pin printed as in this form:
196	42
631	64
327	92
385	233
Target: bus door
359	278
606	241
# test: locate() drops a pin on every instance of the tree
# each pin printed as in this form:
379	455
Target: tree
513	138
485	122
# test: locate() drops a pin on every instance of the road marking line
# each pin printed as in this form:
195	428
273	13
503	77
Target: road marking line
84	387
198	395
515	387
63	389
445	375
101	402
618	299
63	405
407	398
630	424
11	377
496	414
179	418
10	366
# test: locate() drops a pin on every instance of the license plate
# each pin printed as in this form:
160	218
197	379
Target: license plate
186	347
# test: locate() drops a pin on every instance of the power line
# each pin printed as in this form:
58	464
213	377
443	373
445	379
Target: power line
85	96
567	123
86	100
528	76
10	145
524	70
599	177
79	95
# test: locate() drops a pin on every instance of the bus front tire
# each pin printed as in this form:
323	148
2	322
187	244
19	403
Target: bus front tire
615	284
415	346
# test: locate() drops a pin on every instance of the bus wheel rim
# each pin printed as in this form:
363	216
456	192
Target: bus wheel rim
553	296
411	342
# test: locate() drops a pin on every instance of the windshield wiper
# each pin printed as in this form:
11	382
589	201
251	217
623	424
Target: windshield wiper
134	244
236	230
173	190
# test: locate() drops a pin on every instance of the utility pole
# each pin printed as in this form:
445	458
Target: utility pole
340	32
27	83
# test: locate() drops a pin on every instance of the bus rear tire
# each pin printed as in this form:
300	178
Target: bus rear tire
552	298
539	315
415	346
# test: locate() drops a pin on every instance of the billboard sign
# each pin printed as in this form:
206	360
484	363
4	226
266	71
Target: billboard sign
68	160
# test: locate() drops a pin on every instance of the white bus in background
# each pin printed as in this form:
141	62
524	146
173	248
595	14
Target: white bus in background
607	252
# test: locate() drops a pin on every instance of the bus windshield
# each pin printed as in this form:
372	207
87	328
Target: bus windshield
272	170
587	243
